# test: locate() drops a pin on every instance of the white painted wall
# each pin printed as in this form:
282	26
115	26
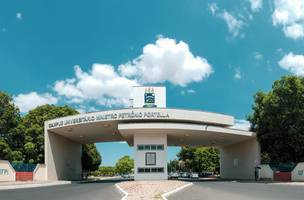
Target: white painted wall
161	156
40	173
62	158
297	173
265	172
238	161
139	99
7	172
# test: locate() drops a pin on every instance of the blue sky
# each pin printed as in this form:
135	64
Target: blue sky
211	55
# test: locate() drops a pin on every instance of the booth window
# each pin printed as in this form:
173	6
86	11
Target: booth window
148	147
150	170
160	147
140	170
150	158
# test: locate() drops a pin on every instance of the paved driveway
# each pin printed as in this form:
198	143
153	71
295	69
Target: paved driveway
101	190
221	190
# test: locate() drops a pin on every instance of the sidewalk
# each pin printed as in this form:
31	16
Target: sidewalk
30	184
289	183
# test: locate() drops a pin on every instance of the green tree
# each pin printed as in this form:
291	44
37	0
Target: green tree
30	150
16	157
9	114
173	166
31	130
186	155
105	171
91	159
125	165
206	159
197	159
278	120
29	136
5	150
9	119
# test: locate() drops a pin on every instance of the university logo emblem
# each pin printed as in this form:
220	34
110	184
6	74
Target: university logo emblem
149	98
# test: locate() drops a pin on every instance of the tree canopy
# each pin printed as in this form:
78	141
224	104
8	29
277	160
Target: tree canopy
31	130
9	113
90	158
173	165
124	165
9	119
278	120
198	159
22	138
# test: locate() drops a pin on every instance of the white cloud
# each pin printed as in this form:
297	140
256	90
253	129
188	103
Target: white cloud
256	5
102	84
258	56
85	109
293	63
233	23
31	100
241	124
290	15
280	51
294	31
167	61
164	61
188	91
237	74
19	15
213	8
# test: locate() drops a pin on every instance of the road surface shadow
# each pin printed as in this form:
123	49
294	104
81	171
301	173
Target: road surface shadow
114	180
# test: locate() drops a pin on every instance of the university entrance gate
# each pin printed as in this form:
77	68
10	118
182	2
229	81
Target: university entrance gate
149	127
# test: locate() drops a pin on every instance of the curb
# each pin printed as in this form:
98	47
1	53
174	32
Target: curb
33	185
164	196
122	191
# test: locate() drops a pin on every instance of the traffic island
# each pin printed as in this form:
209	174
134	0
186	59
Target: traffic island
147	190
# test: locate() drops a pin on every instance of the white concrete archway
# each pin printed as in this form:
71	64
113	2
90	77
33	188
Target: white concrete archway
150	131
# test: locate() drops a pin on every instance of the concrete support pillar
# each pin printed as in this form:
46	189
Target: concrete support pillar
238	161
150	156
62	158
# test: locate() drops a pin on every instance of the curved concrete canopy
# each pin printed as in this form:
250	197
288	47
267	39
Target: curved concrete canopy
179	134
183	127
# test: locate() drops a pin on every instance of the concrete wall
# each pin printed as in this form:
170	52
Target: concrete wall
40	173
297	173
238	161
62	158
161	156
265	172
7	172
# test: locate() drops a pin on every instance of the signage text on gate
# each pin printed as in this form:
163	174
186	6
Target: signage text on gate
94	117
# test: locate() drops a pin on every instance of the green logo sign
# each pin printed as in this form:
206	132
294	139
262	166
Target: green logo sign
149	98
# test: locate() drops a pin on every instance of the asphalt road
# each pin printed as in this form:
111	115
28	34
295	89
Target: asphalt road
217	190
101	190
